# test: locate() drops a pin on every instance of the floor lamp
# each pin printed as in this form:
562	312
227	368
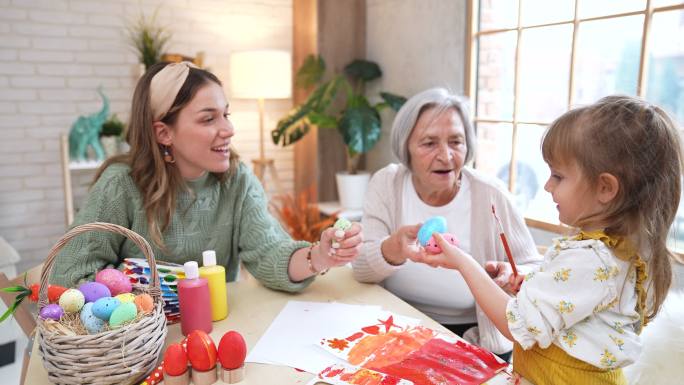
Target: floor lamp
260	75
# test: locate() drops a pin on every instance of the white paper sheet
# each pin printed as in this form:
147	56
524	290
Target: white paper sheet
293	337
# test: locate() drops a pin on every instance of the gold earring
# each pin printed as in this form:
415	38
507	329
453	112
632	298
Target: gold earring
168	158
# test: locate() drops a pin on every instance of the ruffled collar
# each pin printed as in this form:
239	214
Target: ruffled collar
624	250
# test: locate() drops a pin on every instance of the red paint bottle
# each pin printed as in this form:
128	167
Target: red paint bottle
193	298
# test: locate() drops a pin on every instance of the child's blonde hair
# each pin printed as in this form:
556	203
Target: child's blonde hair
638	143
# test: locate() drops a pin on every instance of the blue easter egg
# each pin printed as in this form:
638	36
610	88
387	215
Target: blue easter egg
103	307
92	324
432	225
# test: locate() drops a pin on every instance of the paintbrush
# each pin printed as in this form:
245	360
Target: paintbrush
505	243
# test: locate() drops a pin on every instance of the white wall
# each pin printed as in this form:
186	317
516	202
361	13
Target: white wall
53	55
418	44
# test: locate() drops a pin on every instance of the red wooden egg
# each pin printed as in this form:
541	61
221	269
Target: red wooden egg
201	351
175	360
232	350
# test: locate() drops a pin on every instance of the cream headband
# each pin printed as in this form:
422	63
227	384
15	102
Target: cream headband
165	85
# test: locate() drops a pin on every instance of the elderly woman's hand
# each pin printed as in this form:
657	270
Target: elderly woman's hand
339	247
402	245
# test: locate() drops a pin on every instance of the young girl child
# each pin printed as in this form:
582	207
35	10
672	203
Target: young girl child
615	175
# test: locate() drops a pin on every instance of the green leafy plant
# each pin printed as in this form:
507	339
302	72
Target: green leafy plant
112	127
357	120
148	39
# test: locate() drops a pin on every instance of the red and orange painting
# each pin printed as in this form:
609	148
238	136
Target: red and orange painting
415	353
346	374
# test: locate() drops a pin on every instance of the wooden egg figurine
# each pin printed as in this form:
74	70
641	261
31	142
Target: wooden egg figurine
202	357
175	366
232	351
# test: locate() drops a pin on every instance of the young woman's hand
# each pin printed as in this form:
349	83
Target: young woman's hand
402	245
339	247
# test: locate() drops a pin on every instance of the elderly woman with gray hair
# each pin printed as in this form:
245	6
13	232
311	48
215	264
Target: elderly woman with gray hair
434	140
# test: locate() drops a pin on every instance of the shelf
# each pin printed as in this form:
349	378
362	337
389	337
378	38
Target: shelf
329	208
87	165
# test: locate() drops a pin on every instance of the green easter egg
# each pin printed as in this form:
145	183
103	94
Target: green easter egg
123	313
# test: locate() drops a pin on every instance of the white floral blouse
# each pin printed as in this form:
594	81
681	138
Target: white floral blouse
583	300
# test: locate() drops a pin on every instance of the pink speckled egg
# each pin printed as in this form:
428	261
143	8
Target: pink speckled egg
116	281
433	248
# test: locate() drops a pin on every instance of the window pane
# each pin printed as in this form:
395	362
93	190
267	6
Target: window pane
544	72
493	147
676	236
593	8
536	12
663	3
498	14
531	175
665	82
605	64
495	75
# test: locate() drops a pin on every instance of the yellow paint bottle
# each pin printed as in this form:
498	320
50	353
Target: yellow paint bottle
216	276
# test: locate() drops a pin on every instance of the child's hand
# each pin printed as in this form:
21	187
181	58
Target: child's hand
514	283
450	257
499	271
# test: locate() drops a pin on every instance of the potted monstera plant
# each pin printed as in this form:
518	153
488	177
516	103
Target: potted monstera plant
356	119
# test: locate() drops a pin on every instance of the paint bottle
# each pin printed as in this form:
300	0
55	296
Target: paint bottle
216	276
193	298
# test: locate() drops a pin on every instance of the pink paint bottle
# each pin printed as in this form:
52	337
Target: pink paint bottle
193	297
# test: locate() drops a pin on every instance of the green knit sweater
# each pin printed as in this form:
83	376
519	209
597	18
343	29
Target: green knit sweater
231	218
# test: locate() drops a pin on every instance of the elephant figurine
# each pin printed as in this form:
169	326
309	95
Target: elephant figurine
86	132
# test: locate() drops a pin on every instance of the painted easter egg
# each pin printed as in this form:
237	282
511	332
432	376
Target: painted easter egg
51	311
92	291
125	297
433	248
123	313
144	303
175	360
342	224
103	307
201	350
232	350
432	225
92	324
71	301
116	281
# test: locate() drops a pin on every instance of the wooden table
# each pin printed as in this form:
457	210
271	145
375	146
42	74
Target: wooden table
253	307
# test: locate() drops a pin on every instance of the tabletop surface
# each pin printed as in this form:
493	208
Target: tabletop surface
252	308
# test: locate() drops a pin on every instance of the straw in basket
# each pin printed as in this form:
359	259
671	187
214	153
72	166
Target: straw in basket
119	356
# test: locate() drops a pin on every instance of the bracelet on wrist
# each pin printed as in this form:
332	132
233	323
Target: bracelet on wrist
312	269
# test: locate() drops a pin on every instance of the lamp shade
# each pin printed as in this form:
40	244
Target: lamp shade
262	74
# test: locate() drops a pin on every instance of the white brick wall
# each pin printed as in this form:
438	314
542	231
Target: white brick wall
54	54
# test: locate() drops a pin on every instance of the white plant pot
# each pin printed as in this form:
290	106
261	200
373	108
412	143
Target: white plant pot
110	144
352	189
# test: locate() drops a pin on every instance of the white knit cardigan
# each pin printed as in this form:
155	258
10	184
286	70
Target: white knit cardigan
383	211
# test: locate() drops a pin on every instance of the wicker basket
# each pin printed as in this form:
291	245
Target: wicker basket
119	356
